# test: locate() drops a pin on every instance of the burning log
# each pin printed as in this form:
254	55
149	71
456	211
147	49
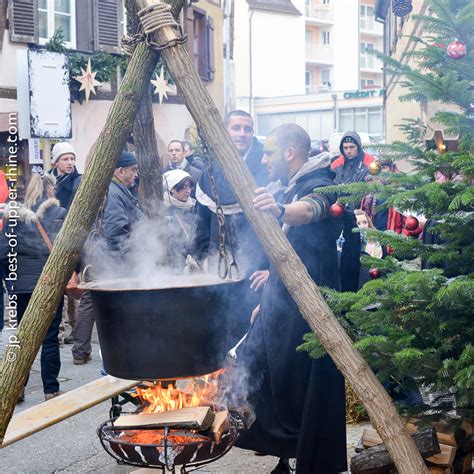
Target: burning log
190	418
220	425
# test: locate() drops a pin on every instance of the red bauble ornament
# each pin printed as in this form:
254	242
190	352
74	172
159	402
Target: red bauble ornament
456	49
374	273
336	210
411	223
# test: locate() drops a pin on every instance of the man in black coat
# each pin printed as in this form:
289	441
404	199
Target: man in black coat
67	177
299	402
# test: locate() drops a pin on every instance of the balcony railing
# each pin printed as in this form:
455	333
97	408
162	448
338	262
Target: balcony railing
310	89
319	54
367	61
317	11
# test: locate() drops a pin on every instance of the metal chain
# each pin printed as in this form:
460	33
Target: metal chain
223	266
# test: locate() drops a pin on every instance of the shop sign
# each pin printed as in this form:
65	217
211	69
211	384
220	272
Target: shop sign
364	94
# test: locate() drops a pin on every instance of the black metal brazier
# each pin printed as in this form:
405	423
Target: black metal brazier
163	333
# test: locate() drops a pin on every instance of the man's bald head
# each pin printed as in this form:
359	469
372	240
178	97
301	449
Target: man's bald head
286	150
292	135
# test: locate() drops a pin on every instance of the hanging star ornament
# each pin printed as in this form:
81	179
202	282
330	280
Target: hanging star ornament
88	81
161	85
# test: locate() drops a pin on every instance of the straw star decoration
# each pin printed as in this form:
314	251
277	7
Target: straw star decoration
88	81
161	85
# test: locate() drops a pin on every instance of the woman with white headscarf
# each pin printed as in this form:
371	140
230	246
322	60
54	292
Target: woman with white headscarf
180	208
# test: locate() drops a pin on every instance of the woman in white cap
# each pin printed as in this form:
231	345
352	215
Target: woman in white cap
63	159
178	185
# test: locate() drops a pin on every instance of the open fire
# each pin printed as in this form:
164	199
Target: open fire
178	423
163	396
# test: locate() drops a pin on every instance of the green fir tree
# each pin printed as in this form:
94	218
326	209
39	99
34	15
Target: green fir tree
414	325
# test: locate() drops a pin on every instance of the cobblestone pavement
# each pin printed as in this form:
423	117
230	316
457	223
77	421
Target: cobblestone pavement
73	446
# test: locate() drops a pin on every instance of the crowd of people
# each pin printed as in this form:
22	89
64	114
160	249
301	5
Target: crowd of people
299	402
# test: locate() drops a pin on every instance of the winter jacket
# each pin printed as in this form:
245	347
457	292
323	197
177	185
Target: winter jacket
352	170
121	211
21	236
239	233
66	186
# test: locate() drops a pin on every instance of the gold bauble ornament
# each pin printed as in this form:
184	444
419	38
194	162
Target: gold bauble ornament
375	168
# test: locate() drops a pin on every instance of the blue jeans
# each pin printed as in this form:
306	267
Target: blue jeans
50	358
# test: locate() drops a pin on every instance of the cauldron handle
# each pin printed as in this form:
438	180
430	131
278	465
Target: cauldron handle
85	277
223	266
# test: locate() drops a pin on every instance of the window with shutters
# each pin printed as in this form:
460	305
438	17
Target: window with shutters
203	45
55	14
107	18
23	21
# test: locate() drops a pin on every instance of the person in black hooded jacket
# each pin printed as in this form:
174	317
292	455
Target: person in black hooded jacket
67	177
31	253
299	402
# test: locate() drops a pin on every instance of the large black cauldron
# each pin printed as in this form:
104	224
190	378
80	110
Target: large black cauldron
169	330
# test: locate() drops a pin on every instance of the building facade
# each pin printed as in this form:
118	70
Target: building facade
319	72
98	25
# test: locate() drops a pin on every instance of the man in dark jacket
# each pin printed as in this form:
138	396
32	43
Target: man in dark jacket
63	158
122	209
239	234
299	404
352	166
241	242
179	162
68	179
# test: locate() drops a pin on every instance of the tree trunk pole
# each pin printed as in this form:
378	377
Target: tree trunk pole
292	272
49	290
149	162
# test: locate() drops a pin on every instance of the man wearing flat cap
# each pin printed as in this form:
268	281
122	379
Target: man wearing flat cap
122	209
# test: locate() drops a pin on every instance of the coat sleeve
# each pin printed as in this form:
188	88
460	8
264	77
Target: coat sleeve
115	223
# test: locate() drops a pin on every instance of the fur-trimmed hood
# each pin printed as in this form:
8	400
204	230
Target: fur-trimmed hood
31	215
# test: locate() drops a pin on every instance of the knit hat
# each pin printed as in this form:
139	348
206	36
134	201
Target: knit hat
60	149
173	177
351	137
126	159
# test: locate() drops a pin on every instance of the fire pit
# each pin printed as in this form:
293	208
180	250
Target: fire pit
186	426
169	447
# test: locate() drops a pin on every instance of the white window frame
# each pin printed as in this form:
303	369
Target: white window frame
369	59
322	81
326	37
50	15
365	18
364	82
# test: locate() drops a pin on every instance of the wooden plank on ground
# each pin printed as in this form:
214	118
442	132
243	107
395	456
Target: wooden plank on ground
53	411
199	418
